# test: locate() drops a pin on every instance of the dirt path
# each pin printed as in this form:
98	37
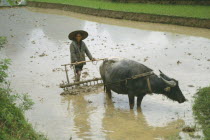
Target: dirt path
38	45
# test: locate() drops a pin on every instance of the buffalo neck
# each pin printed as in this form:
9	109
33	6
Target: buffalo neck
157	84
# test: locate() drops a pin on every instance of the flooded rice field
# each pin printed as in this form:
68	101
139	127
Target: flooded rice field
38	45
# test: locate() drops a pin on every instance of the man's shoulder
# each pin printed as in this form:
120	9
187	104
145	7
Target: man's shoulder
83	43
73	43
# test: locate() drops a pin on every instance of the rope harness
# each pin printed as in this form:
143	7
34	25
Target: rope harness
146	74
149	86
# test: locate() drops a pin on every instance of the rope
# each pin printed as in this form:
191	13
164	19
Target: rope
149	86
133	77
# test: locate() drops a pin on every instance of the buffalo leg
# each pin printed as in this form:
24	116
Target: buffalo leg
109	93
131	101
139	100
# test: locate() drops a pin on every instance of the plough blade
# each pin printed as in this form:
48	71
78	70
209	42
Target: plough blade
81	82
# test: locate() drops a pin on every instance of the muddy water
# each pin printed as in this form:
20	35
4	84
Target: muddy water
38	45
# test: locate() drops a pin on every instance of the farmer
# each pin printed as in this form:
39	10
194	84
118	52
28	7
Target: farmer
78	49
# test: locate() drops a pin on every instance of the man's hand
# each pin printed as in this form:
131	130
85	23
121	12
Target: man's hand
93	59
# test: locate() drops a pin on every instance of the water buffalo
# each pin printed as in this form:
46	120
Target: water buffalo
114	71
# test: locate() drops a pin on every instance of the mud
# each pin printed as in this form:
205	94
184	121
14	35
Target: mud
82	90
91	115
188	129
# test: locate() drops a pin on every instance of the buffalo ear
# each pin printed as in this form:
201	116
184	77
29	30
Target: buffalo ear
167	89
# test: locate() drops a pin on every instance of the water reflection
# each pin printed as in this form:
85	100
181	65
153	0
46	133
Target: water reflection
96	117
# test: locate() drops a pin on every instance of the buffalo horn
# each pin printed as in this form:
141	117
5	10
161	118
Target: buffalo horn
171	83
161	73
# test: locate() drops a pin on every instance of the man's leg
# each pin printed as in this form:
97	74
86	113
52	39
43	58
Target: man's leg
78	75
78	72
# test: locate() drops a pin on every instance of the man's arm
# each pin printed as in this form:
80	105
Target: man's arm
88	53
73	53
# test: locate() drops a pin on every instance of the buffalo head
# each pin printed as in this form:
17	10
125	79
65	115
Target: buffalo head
171	88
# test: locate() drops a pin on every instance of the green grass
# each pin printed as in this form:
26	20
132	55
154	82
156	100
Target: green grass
195	11
11	2
13	125
201	109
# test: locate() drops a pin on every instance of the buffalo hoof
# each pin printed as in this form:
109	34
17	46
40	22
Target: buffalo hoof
131	106
139	109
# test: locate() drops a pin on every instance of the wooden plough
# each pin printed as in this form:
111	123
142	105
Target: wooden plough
94	81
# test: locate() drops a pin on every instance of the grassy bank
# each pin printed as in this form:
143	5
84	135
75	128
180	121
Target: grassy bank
13	125
202	12
201	110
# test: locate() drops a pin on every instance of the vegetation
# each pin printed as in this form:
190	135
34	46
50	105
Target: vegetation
159	0
201	110
3	40
194	11
11	2
13	125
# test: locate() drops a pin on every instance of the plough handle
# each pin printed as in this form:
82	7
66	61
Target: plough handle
67	77
82	62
